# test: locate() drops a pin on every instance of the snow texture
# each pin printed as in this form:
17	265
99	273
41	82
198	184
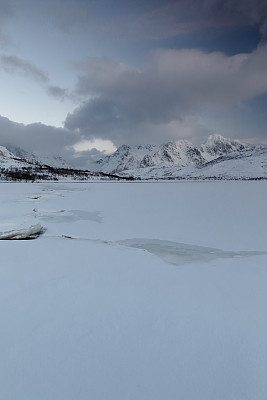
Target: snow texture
137	290
32	232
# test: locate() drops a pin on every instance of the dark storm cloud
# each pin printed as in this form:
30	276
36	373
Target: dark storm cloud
253	12
181	17
44	140
174	86
157	19
38	138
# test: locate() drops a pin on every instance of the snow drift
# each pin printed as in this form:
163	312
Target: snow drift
32	232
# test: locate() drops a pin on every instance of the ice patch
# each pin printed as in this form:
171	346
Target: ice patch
32	232
174	253
70	216
181	253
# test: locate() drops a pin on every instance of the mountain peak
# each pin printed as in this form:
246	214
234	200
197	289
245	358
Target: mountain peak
218	146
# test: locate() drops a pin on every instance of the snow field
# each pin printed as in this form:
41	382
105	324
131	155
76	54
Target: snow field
92	318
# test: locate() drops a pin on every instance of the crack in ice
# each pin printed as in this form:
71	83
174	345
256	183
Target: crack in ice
181	253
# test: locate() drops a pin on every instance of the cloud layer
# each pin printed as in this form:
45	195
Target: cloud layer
174	18
15	65
174	86
37	138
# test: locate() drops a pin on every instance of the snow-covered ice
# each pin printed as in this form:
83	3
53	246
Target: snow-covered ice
180	253
134	291
32	232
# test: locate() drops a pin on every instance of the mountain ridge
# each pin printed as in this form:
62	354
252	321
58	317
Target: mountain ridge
14	168
219	158
171	154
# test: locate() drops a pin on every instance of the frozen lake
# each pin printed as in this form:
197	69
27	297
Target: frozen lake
134	291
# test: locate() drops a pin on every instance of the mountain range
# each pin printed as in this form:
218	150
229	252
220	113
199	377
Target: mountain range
19	165
218	158
171	154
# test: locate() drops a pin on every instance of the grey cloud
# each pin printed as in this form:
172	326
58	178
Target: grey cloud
175	85
5	39
89	16
43	140
156	19
38	138
14	64
58	92
6	9
185	16
86	159
69	14
100	16
102	114
253	12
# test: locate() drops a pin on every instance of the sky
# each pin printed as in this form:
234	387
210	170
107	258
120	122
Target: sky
79	78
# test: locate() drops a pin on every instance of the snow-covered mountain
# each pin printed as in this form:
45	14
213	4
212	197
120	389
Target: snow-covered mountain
5	153
180	153
171	154
55	162
218	146
125	157
15	168
218	158
245	165
10	160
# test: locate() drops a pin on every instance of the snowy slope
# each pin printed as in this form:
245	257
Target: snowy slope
125	157
56	162
5	153
14	168
10	160
180	153
250	164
